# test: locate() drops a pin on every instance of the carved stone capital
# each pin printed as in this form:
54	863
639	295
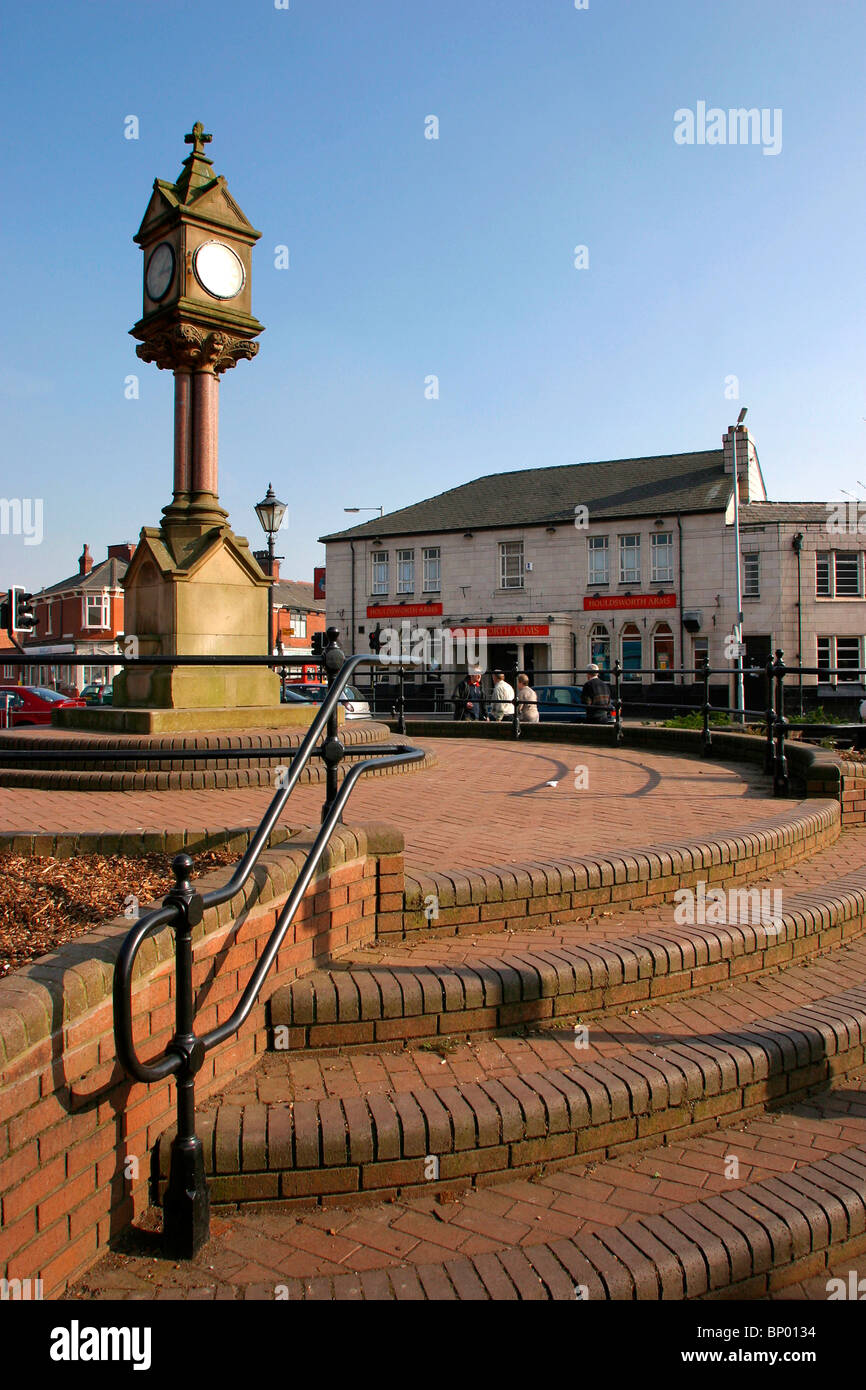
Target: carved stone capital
184	347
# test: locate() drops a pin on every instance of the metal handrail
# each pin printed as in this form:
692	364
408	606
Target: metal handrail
186	1204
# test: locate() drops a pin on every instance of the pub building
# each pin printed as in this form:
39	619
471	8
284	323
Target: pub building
630	560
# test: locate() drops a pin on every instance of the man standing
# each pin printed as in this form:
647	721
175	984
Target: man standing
502	699
469	698
596	697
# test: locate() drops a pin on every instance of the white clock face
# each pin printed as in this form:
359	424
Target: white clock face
218	270
160	271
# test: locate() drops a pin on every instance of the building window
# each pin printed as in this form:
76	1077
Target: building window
751	574
839	574
49	626
511	564
822	575
95	608
297	625
841	654
432	570
599	646
701	656
632	652
848	568
379	578
599	561
663	653
662	550
405	571
629	559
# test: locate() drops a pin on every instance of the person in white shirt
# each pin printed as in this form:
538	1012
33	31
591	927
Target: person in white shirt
527	701
502	699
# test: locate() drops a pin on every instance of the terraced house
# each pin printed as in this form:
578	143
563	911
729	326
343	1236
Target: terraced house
629	559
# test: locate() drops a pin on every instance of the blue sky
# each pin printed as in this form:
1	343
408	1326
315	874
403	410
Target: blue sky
411	257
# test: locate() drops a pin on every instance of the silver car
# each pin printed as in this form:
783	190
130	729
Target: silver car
354	706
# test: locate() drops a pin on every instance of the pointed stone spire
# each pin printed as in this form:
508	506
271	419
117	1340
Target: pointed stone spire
197	168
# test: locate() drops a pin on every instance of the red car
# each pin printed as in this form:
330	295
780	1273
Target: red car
31	704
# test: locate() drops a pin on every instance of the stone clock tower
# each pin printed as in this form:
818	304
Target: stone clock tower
193	587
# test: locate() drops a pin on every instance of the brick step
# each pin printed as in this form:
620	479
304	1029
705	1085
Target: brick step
303	1127
743	1244
450	903
462	986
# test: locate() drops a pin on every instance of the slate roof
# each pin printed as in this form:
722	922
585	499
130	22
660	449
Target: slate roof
297	593
106	575
769	513
545	496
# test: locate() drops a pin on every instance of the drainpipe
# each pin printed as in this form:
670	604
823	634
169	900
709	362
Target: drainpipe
682	600
574	657
352	603
797	543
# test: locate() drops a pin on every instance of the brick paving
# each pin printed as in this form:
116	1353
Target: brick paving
426	1242
484	803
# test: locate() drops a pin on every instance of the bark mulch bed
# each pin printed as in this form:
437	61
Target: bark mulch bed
46	902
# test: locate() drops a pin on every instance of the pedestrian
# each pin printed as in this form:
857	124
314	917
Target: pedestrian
469	700
596	697
527	701
502	699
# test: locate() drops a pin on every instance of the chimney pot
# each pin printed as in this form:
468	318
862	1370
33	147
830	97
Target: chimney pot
85	560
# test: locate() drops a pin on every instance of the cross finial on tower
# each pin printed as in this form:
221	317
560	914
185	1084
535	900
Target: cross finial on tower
197	138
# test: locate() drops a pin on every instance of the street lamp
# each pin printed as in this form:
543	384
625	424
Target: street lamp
380	510
270	512
741	698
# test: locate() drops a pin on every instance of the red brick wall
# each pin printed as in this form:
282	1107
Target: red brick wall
69	1120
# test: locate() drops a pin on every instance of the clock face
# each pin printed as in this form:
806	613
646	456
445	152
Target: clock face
160	271
218	270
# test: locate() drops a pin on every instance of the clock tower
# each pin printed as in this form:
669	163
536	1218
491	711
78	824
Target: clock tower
193	587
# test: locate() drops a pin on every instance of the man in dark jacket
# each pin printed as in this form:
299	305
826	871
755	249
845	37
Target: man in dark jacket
469	702
596	697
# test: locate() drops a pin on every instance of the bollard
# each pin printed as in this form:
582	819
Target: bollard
780	762
769	752
401	701
515	717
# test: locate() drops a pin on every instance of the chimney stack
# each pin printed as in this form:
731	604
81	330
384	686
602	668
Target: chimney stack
749	470
85	560
124	551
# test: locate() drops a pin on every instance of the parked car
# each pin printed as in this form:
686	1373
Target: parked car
354	705
291	695
32	704
563	703
98	693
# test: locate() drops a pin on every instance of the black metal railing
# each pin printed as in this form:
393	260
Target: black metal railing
186	1202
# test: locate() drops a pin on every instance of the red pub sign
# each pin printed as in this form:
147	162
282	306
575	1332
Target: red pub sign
507	629
404	610
631	601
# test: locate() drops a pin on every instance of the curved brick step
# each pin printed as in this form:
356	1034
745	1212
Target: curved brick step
303	1127
254	769
741	1244
568	889
457	988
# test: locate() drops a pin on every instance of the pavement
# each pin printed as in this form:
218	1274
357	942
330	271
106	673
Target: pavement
484	804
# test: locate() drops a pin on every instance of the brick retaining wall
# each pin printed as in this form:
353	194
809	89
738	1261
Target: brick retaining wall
70	1121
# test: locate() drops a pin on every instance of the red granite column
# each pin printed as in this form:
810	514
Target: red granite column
205	456
182	434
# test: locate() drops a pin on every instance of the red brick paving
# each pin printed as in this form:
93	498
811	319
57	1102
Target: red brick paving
254	1251
484	803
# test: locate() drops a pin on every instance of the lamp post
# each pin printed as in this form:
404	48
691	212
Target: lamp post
380	510
741	700
270	512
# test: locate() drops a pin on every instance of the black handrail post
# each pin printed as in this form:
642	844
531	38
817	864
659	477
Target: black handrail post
706	735
186	1204
401	701
617	698
769	753
333	749
780	763
515	713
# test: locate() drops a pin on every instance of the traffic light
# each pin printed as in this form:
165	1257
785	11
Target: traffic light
17	612
317	643
23	611
375	639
